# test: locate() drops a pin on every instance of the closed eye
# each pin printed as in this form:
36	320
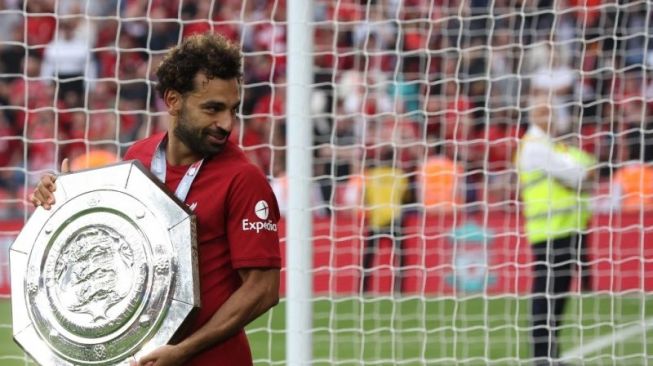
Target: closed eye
213	109
216	107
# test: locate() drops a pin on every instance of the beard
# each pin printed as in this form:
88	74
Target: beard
197	138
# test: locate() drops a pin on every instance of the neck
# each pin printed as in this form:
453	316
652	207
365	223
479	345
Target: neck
177	153
543	127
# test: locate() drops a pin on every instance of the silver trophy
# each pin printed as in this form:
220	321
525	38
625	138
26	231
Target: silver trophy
108	274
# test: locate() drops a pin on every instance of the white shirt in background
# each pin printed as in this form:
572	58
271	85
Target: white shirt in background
538	153
66	57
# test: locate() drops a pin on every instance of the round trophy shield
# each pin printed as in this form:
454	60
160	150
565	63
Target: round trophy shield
106	275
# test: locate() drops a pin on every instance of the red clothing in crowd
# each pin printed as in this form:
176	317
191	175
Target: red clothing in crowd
40	29
227	195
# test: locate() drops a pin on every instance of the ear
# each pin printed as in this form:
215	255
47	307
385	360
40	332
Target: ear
173	101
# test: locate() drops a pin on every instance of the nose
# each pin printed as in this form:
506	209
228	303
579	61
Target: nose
225	121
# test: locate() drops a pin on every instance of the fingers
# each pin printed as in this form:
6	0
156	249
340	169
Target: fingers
136	363
34	200
43	194
147	360
65	166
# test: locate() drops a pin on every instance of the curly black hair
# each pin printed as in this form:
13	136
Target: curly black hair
209	53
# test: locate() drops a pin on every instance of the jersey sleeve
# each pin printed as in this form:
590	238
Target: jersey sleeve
143	150
137	152
252	221
129	155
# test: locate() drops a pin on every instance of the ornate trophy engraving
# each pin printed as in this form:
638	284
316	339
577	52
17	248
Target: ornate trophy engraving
106	275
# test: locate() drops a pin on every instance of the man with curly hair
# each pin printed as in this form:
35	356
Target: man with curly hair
237	213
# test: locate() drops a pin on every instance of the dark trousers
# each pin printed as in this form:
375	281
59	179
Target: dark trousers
372	246
584	266
72	84
552	273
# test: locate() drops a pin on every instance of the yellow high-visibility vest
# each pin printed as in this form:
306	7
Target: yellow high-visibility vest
385	188
551	209
587	160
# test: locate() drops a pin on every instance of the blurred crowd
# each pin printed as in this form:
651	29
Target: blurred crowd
410	83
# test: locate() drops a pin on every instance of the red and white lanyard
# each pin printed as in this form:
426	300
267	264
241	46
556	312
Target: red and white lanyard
158	168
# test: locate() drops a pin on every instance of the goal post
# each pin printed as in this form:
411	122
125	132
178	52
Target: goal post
299	147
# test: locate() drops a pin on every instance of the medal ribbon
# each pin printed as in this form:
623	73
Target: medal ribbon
158	168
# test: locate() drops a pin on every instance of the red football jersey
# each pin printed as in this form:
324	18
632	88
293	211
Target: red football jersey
237	216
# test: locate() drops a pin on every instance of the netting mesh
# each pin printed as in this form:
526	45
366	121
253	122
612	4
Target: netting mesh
418	109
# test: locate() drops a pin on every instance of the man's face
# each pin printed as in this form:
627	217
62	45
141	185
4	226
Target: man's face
548	113
207	115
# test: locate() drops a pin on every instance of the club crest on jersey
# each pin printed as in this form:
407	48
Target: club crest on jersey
262	211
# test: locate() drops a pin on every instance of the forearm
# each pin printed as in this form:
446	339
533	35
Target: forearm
567	173
249	302
558	166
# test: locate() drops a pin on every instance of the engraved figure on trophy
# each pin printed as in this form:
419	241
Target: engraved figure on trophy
94	271
96	283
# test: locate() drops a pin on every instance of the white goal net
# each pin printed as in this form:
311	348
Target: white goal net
420	255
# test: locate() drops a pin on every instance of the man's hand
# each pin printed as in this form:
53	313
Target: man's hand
163	356
42	195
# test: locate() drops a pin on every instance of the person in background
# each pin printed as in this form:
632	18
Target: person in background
67	60
385	190
550	182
